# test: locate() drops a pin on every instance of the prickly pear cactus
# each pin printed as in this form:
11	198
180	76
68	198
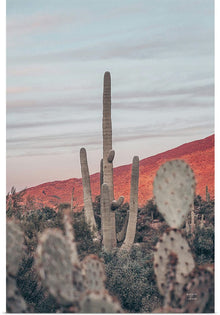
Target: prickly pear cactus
99	303
172	251
53	262
94	272
70	237
197	291
174	187
14	246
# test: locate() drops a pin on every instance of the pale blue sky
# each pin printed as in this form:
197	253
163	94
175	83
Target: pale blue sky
161	57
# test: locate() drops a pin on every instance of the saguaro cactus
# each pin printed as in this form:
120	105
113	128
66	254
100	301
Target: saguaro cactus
89	215
108	204
108	156
133	206
107	228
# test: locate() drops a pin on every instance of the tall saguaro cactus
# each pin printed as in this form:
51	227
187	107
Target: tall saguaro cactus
108	153
107	228
107	135
133	206
89	215
108	203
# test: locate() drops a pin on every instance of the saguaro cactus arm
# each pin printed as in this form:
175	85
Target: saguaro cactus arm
121	234
133	206
111	156
117	203
87	196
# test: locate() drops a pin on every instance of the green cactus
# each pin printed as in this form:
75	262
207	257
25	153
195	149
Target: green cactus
174	187
87	196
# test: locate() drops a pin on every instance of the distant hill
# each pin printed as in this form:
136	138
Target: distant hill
199	154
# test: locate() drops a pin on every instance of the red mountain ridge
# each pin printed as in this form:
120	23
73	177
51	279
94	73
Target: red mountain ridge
198	154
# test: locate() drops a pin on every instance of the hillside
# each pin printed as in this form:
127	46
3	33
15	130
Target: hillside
199	154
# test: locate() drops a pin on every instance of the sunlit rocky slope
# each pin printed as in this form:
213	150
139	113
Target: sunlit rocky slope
199	154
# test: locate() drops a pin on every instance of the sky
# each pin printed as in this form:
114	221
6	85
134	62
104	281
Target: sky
160	54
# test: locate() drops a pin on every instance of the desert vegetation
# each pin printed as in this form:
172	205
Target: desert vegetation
114	256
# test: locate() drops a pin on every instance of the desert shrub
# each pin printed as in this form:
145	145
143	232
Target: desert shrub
151	211
97	211
120	215
130	277
203	245
83	236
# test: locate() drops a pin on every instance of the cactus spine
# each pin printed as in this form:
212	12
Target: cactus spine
87	196
133	206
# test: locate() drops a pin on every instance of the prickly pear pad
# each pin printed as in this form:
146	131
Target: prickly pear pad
172	244
53	262
174	187
93	269
14	244
197	291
